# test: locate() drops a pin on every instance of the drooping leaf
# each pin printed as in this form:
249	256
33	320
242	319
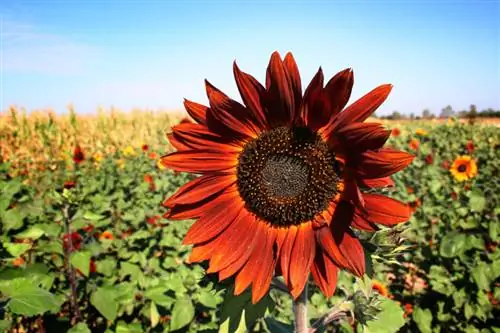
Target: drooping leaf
182	313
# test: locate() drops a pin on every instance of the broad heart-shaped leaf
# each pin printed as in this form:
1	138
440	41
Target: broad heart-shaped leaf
92	216
182	313
236	307
389	319
16	249
12	218
81	261
123	327
423	319
481	275
32	233
453	244
79	328
27	299
477	201
104	300
208	298
5	325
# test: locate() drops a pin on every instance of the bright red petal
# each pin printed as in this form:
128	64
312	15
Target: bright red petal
313	111
380	163
247	274
279	98
286	253
253	94
384	210
201	161
338	91
214	221
196	136
376	183
199	189
229	114
324	272
293	76
197	111
359	111
362	136
352	250
238	239
301	258
265	269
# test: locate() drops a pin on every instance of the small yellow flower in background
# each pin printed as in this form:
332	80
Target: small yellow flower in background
421	132
128	151
121	163
463	168
97	157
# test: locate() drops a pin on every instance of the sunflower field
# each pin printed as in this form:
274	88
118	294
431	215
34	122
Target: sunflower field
84	246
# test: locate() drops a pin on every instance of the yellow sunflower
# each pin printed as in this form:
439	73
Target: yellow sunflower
463	168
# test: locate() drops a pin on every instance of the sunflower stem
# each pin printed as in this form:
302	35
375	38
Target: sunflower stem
300	312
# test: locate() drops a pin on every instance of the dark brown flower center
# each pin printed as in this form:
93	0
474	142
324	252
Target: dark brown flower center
287	175
462	167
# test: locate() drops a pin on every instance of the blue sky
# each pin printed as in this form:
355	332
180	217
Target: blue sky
152	53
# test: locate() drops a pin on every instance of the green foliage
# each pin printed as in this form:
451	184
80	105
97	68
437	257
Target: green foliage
138	279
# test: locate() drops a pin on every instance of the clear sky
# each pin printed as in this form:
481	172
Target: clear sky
153	53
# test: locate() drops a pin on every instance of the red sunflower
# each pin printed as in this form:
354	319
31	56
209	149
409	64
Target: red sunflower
281	179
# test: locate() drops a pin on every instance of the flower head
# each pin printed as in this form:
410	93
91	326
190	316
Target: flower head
78	155
145	147
106	235
429	159
463	168
380	288
128	151
72	241
395	132
470	147
282	177
414	144
420	132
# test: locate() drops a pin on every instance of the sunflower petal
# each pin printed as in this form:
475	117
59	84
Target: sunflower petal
324	272
352	250
376	182
238	239
199	189
338	91
253	94
325	238
265	269
197	136
228	114
213	222
384	210
362	136
312	110
381	163
295	83
247	274
176	143
359	111
286	253
301	258
361	223
197	209
201	161
279	98
197	111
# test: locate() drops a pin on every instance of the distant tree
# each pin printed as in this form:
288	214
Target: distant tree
412	116
426	114
396	115
447	112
